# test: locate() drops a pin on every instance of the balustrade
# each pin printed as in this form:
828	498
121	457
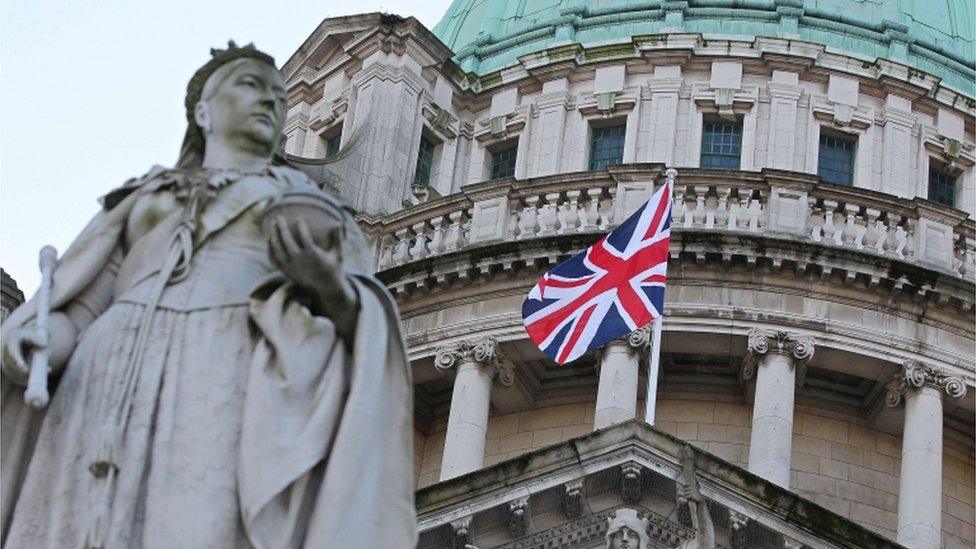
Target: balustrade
860	221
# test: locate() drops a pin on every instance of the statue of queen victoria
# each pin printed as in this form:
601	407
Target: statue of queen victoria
228	372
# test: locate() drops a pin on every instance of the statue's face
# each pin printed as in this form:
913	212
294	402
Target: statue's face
625	538
248	107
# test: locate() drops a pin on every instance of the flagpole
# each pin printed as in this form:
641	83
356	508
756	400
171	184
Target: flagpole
652	371
655	363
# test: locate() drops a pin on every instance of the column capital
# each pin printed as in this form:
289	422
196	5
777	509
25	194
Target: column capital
764	341
483	351
636	342
915	375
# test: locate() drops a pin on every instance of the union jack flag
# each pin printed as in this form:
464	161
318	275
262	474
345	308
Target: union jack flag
609	290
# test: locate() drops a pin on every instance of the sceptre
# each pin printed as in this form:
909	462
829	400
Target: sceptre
36	396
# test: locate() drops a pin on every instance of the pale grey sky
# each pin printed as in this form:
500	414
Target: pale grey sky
91	93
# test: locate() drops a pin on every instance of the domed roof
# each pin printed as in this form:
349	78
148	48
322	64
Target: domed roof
936	36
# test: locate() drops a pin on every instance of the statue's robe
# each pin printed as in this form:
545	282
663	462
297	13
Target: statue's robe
307	437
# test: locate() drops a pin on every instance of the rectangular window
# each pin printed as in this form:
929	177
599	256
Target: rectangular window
503	162
332	138
721	145
607	147
425	161
942	187
836	161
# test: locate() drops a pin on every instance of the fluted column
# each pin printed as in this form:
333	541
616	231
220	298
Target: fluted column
920	388
773	358
619	366
478	365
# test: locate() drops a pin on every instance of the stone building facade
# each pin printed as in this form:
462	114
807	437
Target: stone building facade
819	329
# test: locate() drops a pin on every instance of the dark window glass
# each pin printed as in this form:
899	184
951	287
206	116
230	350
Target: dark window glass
503	163
425	159
332	145
942	187
721	145
607	147
836	162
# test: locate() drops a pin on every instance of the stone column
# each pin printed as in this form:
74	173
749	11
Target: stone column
920	388
774	357
619	366
478	364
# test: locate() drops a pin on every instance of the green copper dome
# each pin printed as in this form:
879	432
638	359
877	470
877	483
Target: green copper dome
935	36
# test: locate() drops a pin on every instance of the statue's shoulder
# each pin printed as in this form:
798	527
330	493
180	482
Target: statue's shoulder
157	175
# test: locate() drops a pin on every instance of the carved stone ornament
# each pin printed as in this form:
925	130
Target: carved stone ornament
737	520
630	482
483	351
915	375
462	527
638	341
518	519
573	502
777	341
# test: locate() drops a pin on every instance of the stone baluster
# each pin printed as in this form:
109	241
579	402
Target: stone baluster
774	358
891	242
548	215
920	389
871	230
722	211
606	209
528	222
908	240
419	248
677	206
569	213
478	364
698	214
436	244
401	251
619	367
755	214
590	220
453	240
829	206
815	222
710	204
850	232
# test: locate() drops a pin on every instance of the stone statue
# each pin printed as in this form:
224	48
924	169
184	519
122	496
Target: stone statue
701	517
627	531
222	376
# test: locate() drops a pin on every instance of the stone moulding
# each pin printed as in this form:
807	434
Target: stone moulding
559	467
915	375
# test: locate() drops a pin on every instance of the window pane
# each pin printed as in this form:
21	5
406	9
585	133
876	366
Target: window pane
607	147
721	145
503	163
425	159
332	145
836	161
942	188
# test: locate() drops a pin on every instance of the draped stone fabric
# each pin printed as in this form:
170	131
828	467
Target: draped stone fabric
252	424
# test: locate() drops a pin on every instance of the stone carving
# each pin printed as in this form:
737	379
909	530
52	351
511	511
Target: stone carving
915	375
592	529
573	502
630	482
625	530
790	543
737	520
212	328
518	520
462	528
483	351
701	516
761	342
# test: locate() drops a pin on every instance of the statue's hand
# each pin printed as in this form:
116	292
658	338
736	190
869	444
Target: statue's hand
18	344
316	270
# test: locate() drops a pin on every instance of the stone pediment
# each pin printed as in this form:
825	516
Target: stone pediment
563	496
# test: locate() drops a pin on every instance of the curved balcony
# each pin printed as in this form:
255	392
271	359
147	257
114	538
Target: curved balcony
915	245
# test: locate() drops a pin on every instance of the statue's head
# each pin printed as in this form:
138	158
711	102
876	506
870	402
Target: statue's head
238	97
627	531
